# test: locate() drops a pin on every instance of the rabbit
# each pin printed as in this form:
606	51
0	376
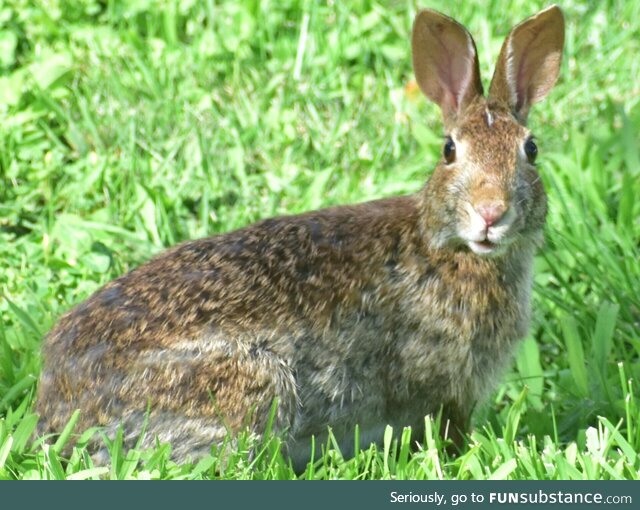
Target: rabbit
372	314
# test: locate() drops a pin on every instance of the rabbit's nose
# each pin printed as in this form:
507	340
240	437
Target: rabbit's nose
491	211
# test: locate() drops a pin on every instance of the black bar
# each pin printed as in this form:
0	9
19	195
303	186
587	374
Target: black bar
331	495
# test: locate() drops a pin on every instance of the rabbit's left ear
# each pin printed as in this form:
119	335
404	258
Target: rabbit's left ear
529	62
445	62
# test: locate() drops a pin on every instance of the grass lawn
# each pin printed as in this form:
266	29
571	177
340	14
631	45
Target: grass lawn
126	127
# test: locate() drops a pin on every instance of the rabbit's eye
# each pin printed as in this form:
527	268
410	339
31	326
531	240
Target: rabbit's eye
531	150
449	150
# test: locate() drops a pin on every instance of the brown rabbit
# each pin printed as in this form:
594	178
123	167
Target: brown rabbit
371	314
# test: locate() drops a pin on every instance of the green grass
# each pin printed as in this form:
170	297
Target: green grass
126	127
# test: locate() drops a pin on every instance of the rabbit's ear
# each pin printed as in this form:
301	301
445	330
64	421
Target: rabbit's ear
445	62
529	62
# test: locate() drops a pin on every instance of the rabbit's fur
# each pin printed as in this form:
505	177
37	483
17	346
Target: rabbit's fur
371	314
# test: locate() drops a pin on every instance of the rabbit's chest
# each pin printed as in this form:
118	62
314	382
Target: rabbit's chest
456	337
395	362
374	383
374	372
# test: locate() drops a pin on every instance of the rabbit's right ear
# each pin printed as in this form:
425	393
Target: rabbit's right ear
529	62
445	62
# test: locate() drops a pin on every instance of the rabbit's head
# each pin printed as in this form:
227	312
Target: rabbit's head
485	194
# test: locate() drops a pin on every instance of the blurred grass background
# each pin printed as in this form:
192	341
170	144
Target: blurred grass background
126	127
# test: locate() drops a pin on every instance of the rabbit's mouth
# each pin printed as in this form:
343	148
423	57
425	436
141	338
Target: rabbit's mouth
488	248
484	247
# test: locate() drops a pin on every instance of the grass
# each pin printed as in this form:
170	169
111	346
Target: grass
126	127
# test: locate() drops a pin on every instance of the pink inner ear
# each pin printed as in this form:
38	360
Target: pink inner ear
534	73
454	63
522	81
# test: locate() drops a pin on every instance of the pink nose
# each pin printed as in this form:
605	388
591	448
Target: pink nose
491	212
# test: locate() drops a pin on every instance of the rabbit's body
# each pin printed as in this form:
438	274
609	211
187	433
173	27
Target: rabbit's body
370	314
385	346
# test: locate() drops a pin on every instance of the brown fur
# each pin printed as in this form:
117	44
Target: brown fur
371	314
